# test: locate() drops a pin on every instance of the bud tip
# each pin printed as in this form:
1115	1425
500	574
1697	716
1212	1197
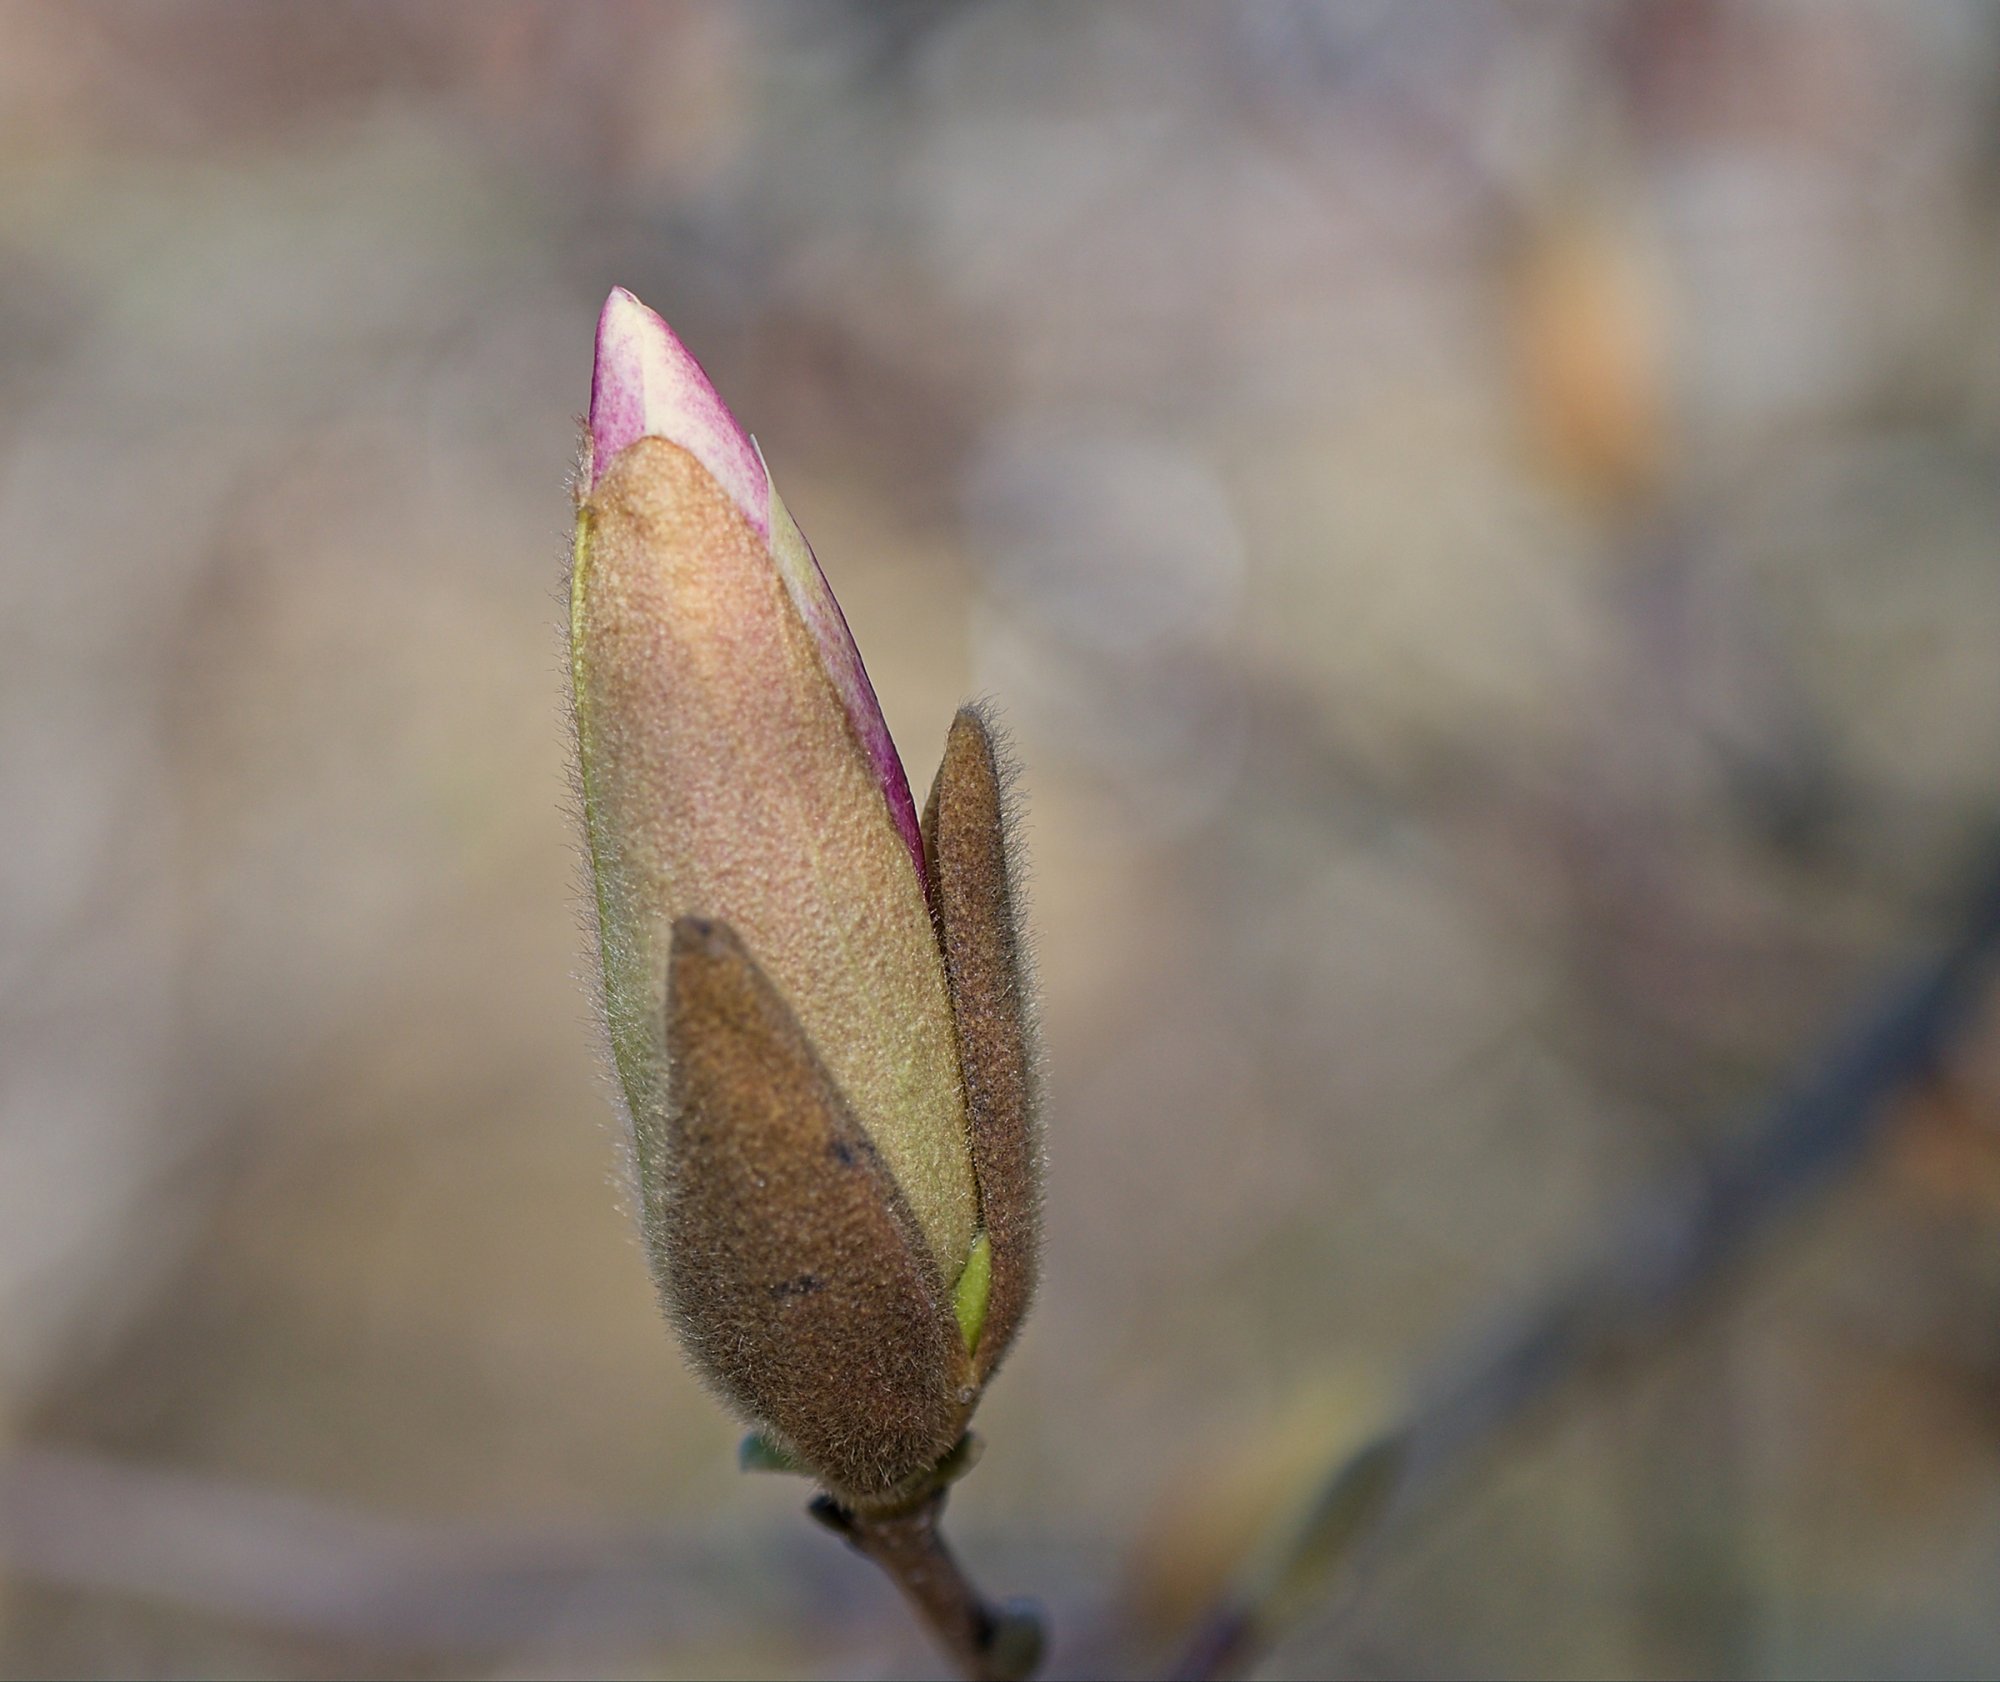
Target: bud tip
645	385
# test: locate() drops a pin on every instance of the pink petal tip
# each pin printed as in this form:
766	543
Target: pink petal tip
646	385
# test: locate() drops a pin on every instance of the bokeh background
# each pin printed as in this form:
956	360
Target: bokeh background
1481	520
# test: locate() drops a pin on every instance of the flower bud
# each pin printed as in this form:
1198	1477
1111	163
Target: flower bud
815	1003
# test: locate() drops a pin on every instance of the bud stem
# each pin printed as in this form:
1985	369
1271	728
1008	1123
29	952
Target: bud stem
988	1643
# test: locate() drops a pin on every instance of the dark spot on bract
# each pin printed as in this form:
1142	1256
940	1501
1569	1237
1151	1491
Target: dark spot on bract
803	1286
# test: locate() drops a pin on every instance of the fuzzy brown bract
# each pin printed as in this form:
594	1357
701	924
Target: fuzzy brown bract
792	1264
968	846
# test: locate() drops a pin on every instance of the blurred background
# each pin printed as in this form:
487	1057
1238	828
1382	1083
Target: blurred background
1481	520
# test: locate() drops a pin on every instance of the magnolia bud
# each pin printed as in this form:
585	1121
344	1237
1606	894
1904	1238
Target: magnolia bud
816	1005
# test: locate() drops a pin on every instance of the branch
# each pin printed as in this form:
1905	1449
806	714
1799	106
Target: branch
1642	1281
987	1643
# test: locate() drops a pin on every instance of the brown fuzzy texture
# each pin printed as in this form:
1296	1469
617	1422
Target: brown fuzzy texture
799	1279
723	778
966	841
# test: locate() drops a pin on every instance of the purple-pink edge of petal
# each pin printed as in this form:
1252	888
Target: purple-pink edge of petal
864	711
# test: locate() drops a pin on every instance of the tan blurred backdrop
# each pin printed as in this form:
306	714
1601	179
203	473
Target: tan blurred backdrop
1481	520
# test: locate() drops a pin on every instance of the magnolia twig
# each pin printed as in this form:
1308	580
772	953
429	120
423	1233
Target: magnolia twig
988	1643
1635	1287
